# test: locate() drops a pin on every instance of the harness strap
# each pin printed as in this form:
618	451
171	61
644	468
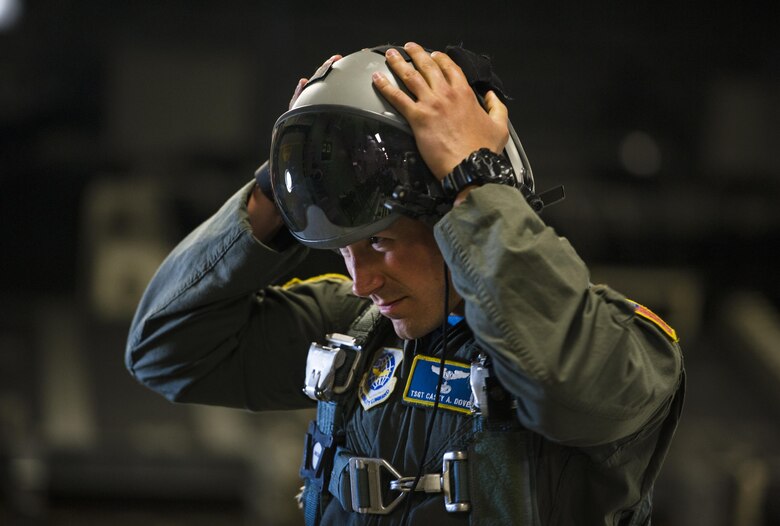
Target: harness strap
340	484
329	417
363	487
326	435
311	505
363	327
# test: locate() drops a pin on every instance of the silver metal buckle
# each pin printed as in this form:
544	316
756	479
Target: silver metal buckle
323	361
479	396
447	461
365	479
430	483
368	472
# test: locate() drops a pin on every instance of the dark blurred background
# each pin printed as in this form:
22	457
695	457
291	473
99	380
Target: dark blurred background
125	124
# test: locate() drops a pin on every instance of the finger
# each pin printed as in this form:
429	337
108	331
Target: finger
449	69
326	65
320	71
298	89
496	109
499	114
423	62
412	79
395	96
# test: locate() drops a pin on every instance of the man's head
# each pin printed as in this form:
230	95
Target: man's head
337	158
346	173
401	270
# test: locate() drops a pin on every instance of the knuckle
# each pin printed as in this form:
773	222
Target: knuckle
463	90
410	74
448	65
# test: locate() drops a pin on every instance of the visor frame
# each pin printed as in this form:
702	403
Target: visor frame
324	234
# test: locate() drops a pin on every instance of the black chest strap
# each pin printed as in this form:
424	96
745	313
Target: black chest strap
335	401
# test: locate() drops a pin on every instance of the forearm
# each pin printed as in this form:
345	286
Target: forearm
195	317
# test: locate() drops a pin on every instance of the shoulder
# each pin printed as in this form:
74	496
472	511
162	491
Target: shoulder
635	312
331	278
328	296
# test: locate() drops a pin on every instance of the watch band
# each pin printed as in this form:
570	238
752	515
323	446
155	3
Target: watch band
480	167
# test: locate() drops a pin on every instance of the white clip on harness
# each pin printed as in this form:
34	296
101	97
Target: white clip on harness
367	488
326	373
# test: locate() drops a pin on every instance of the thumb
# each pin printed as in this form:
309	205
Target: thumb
496	109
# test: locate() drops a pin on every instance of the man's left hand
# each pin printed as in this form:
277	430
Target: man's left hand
446	118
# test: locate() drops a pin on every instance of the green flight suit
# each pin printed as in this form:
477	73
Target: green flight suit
598	387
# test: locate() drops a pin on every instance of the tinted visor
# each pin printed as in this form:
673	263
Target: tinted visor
333	170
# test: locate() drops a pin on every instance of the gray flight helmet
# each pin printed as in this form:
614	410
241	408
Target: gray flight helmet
347	84
344	164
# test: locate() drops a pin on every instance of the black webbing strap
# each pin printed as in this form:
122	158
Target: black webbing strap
327	433
365	324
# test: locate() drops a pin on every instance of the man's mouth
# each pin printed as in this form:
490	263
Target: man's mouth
388	308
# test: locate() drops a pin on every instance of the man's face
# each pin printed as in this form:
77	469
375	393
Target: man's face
402	271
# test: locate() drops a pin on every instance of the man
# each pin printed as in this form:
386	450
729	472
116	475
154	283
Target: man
545	400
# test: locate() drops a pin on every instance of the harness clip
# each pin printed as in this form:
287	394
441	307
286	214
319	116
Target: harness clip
367	487
365	479
330	369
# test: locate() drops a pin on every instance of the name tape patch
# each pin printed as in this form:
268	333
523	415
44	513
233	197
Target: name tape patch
455	392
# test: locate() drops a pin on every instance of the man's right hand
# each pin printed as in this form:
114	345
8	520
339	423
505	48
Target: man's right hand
263	216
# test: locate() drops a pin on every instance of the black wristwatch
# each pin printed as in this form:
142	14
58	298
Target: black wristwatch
481	167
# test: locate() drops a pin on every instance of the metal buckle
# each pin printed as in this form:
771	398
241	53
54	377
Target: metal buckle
365	479
323	361
430	483
477	379
448	462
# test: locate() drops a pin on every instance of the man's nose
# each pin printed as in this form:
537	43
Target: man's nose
366	274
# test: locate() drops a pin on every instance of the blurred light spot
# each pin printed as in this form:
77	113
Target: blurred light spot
288	180
10	11
640	154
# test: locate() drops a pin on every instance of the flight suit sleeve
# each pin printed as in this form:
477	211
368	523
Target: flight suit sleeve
584	367
210	330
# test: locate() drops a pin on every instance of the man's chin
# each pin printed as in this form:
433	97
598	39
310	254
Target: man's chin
408	330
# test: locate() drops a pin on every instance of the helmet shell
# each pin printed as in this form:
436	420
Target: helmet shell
388	176
345	88
348	83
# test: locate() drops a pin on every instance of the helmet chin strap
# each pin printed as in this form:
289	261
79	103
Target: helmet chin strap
417	205
525	175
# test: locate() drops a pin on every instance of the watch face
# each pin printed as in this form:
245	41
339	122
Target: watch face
481	167
492	165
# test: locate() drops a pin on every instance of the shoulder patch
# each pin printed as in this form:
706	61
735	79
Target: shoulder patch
641	310
322	277
379	381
